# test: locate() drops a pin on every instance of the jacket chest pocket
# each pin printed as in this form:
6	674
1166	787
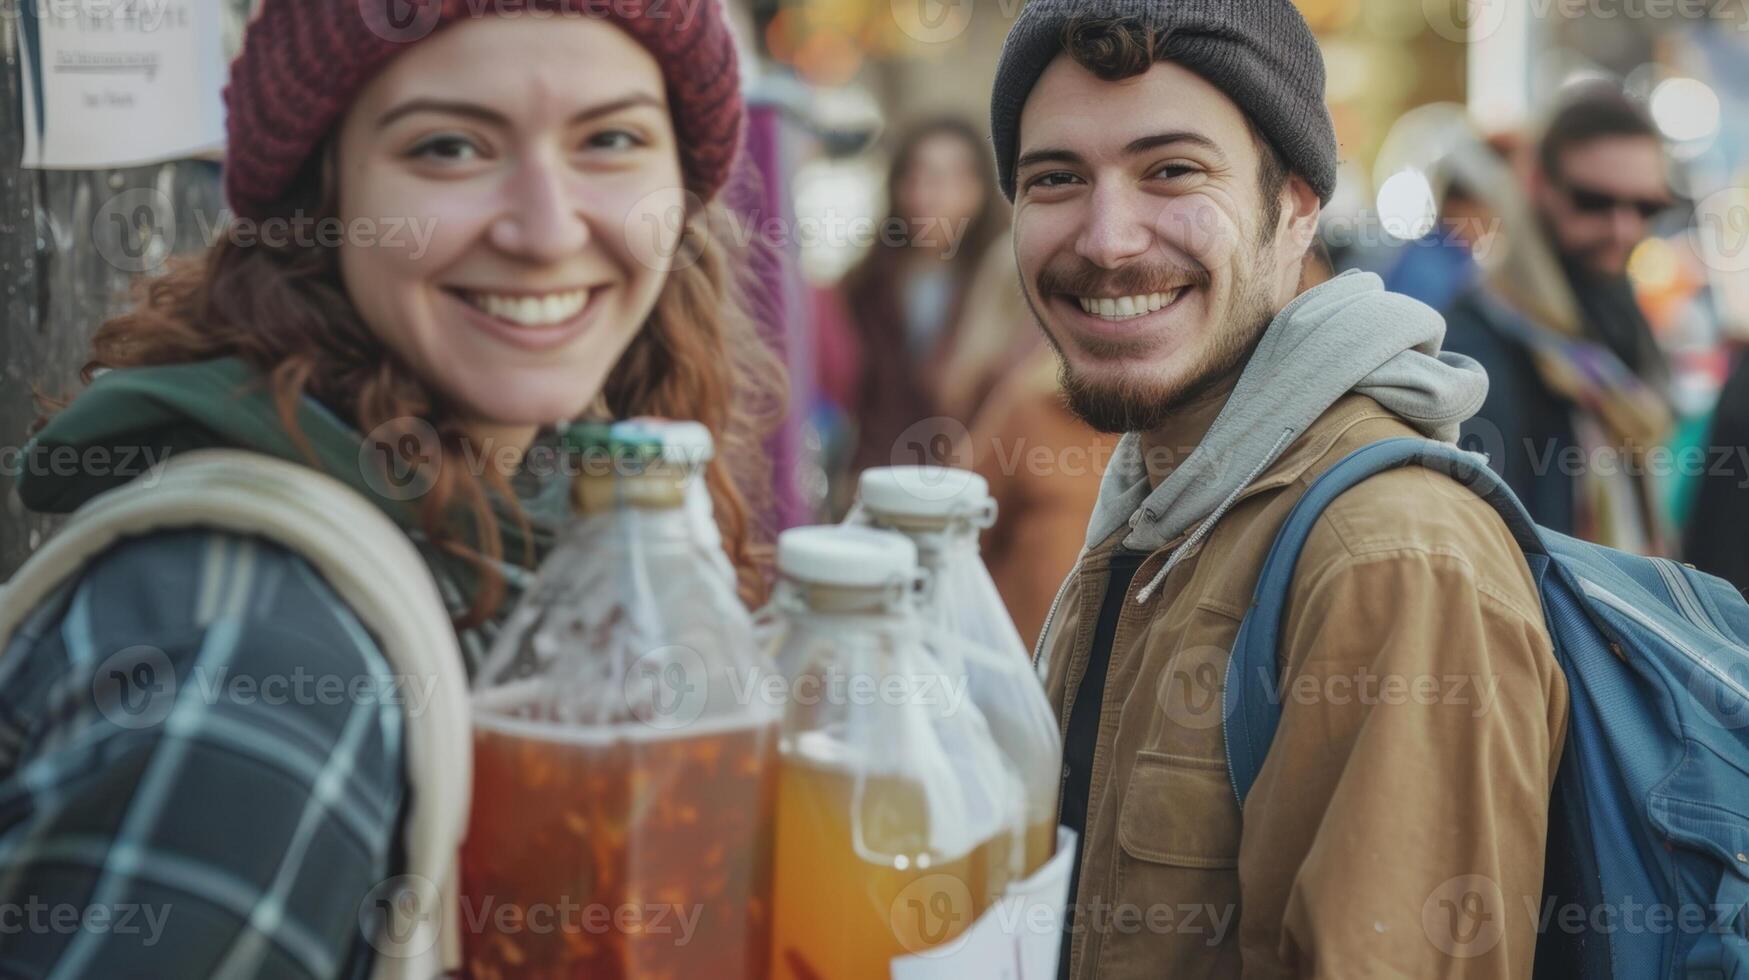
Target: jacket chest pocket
1175	896
1180	812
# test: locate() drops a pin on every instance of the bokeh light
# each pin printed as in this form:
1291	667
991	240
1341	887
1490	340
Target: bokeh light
1685	109
1407	208
1653	265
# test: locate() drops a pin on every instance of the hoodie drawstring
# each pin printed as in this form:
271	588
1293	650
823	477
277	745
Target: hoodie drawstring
1208	525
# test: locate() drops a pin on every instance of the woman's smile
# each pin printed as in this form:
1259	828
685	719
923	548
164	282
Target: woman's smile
529	321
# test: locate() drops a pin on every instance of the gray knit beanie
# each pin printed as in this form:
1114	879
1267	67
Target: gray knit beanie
1260	53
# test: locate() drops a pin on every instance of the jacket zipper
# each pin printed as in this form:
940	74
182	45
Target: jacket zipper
1700	660
1038	645
1232	776
1686	600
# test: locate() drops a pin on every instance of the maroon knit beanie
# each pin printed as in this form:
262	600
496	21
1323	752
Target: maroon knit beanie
303	61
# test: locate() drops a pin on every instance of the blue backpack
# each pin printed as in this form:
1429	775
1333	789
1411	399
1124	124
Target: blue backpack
1651	800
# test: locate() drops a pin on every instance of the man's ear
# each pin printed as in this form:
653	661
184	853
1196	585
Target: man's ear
1300	211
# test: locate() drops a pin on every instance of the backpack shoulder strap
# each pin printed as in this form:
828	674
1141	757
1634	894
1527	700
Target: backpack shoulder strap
1251	707
375	570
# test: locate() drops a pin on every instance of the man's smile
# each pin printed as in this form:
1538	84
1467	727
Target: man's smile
1128	307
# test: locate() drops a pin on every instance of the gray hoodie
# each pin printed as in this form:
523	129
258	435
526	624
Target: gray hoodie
1347	334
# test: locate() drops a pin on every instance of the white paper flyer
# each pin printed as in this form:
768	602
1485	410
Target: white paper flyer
121	83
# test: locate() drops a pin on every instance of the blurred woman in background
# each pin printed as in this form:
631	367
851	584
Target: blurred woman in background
905	301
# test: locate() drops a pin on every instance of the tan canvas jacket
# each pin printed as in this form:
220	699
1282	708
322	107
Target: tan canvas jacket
1397	827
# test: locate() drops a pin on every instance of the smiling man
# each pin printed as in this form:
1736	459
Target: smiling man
1167	160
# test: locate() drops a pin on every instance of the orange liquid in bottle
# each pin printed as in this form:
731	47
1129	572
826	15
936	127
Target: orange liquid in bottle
1041	844
844	912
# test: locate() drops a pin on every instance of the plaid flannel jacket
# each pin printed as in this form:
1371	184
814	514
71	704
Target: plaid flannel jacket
200	770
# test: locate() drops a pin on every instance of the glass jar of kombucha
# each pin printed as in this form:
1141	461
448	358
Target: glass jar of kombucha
624	781
892	794
943	510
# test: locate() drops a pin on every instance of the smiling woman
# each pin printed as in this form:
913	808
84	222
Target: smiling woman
534	284
520	230
567	258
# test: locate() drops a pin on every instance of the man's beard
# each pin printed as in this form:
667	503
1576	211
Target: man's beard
1580	262
1610	314
1131	404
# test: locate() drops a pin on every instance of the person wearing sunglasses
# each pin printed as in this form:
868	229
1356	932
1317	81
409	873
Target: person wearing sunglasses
1590	201
1577	379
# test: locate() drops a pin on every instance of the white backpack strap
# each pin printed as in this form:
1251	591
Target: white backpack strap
374	568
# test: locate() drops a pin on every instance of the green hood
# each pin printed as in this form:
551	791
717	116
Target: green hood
131	419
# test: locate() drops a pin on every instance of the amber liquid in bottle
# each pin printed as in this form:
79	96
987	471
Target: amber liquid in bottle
634	858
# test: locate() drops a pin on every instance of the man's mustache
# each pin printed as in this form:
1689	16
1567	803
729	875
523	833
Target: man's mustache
1086	279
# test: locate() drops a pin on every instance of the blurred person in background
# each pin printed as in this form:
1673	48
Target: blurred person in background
1439	266
1443	264
1043	464
1717	538
1577	380
995	337
904	301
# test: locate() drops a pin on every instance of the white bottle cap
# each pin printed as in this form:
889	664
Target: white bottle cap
922	491
855	557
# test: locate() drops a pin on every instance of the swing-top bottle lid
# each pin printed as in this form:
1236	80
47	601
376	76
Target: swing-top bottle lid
852	557
922	491
633	444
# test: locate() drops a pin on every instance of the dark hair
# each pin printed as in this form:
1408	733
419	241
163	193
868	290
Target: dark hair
1594	114
1115	48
